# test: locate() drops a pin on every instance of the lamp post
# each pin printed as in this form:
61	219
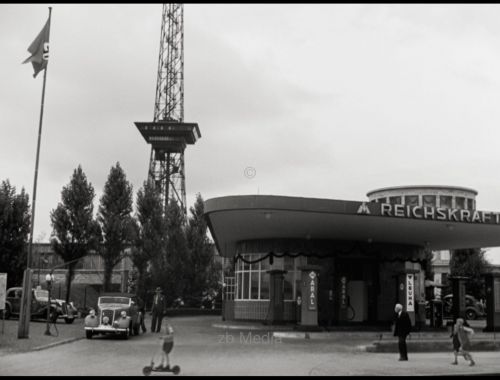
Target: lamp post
49	278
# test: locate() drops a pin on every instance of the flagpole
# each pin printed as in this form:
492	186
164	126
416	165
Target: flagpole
24	316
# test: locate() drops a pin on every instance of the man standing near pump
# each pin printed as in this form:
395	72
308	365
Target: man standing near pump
157	310
402	328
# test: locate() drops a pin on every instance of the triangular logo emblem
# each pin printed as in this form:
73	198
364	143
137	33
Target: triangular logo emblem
363	209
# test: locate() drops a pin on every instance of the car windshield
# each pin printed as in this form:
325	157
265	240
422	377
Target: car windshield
120	300
41	294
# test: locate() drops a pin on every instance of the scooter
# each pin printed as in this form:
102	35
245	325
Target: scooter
151	368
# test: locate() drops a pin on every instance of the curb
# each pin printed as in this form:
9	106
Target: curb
438	345
56	344
251	327
236	327
300	335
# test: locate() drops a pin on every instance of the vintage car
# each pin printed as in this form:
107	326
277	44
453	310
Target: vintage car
473	308
39	297
117	313
67	310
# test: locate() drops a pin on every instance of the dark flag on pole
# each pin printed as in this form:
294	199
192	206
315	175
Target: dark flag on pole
39	58
39	50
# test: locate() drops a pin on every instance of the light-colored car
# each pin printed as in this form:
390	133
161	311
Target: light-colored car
117	313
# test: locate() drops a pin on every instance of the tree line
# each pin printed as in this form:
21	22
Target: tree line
164	249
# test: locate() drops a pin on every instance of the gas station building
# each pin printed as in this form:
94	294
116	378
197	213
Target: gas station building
339	262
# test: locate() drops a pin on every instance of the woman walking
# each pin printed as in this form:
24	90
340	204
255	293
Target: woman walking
461	341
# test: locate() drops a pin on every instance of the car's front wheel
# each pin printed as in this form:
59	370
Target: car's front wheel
53	315
69	320
125	334
6	312
88	334
471	315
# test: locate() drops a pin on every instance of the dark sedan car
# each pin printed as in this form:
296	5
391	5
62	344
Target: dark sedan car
473	308
39	297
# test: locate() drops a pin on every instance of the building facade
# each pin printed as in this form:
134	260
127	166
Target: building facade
89	275
366	256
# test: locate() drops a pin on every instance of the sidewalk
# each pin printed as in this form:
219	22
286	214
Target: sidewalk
65	333
373	341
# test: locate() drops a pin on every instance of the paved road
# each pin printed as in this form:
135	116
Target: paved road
201	349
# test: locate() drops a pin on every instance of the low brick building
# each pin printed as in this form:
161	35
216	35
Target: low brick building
89	275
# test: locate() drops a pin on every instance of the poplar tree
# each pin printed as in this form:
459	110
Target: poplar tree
14	231
75	232
201	271
470	263
150	233
169	267
114	217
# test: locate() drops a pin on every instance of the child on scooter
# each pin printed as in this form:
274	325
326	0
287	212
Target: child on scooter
167	345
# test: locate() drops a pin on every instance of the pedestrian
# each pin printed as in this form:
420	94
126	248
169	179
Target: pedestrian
456	340
142	308
463	334
402	328
167	345
157	310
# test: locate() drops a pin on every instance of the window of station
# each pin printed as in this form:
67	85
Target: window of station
253	280
429	200
230	288
470	204
445	201
411	200
395	200
460	202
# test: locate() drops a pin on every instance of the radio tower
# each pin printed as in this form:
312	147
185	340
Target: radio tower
167	133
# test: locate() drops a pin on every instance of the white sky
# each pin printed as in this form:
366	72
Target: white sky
324	100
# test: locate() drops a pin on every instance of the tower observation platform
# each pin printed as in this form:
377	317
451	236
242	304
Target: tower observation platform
169	136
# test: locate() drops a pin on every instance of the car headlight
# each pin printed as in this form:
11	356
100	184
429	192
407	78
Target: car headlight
123	314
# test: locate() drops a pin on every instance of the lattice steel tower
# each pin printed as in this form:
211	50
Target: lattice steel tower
167	133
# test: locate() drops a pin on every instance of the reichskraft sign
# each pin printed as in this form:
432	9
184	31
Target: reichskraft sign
429	213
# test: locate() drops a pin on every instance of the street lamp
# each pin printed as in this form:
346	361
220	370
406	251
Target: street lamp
49	278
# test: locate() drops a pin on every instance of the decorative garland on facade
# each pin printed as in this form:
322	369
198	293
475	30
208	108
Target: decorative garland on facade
271	255
395	253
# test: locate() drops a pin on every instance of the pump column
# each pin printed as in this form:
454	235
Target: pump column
309	285
458	289
492	282
406	292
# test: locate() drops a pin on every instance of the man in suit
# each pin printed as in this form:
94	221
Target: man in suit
402	327
157	310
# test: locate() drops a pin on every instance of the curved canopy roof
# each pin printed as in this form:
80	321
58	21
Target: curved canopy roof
232	219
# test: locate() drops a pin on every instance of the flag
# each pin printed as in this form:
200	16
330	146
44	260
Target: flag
39	50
